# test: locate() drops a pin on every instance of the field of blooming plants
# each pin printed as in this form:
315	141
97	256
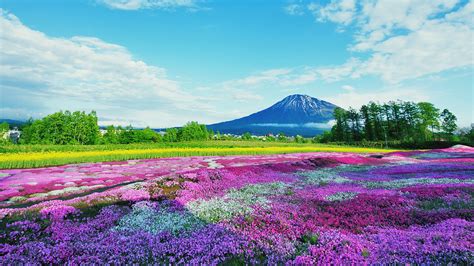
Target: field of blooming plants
412	207
28	156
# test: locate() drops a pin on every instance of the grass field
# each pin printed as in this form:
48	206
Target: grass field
29	156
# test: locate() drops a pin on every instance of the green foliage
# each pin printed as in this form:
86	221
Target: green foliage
310	238
282	137
299	139
466	135
392	121
325	137
365	253
111	136
129	135
4	127
448	123
62	128
193	131
270	138
247	136
429	116
171	135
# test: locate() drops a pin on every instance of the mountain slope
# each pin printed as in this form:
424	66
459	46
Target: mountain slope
295	114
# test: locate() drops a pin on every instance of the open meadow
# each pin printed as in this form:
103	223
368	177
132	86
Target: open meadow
304	208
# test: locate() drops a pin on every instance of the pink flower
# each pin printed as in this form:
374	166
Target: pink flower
135	195
57	212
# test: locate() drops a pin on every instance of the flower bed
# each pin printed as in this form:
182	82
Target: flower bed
302	209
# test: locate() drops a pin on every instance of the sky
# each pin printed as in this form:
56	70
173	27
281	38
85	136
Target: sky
161	63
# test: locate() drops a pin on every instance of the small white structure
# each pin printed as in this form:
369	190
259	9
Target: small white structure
12	134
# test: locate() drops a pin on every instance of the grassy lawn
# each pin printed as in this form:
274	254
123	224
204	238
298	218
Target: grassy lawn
29	156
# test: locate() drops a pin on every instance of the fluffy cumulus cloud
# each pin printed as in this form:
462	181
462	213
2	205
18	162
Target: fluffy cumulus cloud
395	40
149	4
352	97
290	77
406	39
295	9
342	12
46	74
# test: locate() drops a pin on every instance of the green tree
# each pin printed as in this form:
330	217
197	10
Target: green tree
467	135
325	137
282	137
429	119
110	136
448	123
193	131
247	136
211	134
62	128
299	139
171	135
368	124
126	135
375	114
355	128
341	128
147	135
395	111
4	138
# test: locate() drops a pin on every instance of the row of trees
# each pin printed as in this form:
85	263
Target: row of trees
406	122
189	132
81	128
62	128
400	120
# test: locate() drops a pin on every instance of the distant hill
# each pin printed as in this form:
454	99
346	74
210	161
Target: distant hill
12	122
294	115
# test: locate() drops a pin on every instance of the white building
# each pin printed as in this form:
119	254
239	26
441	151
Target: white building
13	134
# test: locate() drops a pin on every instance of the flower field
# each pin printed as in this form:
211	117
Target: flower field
413	207
50	155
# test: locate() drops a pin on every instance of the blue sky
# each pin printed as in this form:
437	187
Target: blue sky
164	62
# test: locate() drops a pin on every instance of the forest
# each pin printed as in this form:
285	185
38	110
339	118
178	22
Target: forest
394	121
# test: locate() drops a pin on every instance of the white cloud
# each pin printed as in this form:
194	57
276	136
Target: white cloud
83	73
149	4
288	77
255	80
264	76
245	96
402	40
327	125
294	9
348	88
354	98
339	11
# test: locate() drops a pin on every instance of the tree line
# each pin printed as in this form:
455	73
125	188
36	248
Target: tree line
189	132
67	127
393	121
62	128
374	124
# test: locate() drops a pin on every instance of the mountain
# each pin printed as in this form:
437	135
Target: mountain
12	122
294	115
